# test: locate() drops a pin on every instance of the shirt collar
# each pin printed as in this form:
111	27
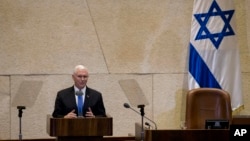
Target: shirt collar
83	90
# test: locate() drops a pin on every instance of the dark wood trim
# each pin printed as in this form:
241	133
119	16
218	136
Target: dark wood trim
111	138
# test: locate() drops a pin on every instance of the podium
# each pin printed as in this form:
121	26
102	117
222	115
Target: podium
79	129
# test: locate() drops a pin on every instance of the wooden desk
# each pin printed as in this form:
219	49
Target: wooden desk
187	135
111	138
241	120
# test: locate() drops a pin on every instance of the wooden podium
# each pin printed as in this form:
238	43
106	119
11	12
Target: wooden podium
79	129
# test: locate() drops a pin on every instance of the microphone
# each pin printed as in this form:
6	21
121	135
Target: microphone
146	123
20	107
126	105
79	93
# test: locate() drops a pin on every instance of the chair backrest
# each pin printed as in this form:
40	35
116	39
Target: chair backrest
207	103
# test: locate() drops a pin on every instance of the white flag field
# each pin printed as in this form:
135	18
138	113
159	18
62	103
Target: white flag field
214	60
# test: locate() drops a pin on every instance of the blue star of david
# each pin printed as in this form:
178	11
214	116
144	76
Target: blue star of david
203	19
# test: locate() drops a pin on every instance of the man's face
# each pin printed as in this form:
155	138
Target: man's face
80	78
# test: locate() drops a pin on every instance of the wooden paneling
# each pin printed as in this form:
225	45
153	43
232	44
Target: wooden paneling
241	120
111	138
187	135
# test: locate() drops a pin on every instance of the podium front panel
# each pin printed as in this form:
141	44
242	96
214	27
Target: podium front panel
98	126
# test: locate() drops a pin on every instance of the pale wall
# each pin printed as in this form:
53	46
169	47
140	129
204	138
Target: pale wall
42	40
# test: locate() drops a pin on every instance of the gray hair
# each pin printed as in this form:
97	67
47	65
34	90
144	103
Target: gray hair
79	67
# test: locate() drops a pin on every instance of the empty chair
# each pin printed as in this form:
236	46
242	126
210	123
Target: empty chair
207	103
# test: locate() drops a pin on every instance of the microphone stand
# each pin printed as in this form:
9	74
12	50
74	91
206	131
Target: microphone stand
142	117
20	108
126	105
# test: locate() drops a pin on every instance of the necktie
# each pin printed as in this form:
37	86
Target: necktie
80	103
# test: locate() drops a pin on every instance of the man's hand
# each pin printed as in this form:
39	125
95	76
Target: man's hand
89	113
71	114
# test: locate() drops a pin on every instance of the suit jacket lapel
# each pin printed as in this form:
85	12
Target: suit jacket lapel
72	98
87	96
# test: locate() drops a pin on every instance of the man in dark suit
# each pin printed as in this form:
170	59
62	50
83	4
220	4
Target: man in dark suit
66	103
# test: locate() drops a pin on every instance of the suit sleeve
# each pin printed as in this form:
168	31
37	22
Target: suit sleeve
64	103
100	107
58	108
97	105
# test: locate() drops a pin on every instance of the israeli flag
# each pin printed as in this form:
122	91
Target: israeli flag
213	50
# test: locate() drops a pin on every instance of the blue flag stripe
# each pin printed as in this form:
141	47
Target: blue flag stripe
200	71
